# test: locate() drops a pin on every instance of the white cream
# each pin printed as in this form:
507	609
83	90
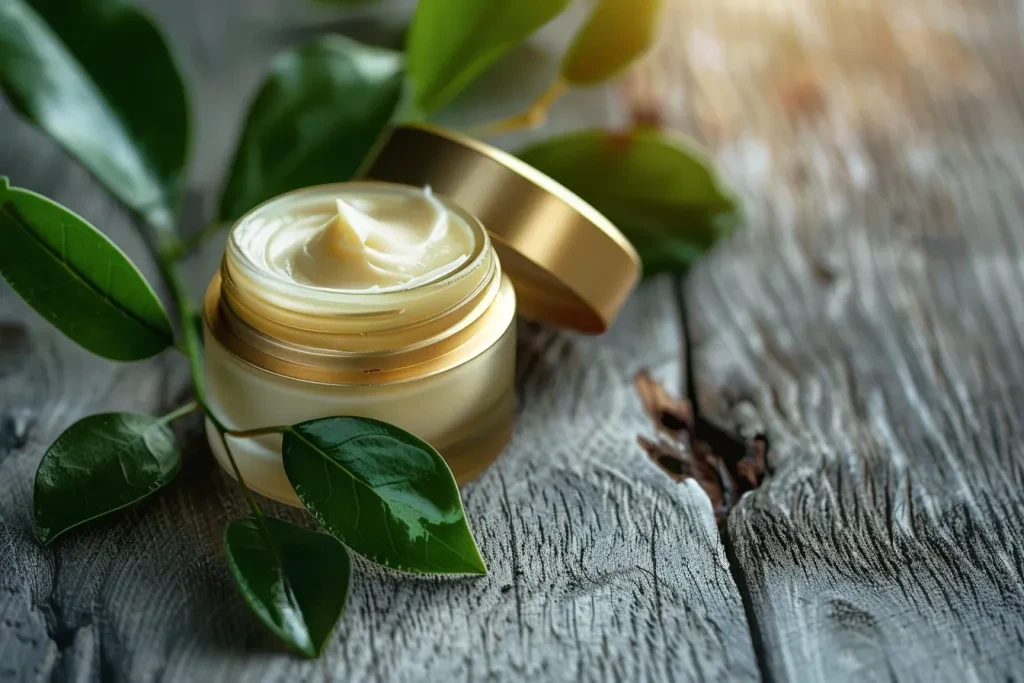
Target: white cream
374	242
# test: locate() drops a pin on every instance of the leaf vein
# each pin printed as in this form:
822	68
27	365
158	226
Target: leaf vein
9	210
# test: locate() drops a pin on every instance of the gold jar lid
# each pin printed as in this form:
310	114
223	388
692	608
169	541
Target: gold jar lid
570	266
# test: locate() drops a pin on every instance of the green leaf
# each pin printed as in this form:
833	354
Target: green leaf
616	33
97	76
99	465
77	279
317	116
383	492
659	191
452	42
295	580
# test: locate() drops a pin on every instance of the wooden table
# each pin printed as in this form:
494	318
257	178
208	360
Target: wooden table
869	320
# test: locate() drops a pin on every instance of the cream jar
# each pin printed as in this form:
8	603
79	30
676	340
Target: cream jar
396	299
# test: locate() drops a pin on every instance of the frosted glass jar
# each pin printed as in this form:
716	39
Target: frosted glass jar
437	359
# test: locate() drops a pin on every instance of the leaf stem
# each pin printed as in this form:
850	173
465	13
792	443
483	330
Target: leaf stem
249	498
533	117
198	238
223	431
184	410
191	344
260	431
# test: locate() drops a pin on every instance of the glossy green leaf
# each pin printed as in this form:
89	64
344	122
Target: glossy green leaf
452	42
616	33
101	464
295	580
317	116
383	492
97	76
659	191
77	279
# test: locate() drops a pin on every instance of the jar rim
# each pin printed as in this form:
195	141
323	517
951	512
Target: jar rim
366	370
350	336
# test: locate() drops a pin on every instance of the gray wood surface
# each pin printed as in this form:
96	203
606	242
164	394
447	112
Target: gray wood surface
600	566
870	320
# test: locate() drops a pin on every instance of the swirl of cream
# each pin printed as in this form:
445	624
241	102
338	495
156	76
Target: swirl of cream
371	242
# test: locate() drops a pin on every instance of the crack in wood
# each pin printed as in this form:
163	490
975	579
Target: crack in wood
725	465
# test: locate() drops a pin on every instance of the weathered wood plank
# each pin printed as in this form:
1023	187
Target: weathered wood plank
870	320
601	567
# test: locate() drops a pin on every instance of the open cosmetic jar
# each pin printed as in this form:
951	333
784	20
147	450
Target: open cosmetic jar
395	297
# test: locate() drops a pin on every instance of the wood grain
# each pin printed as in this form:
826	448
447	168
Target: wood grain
601	568
869	319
